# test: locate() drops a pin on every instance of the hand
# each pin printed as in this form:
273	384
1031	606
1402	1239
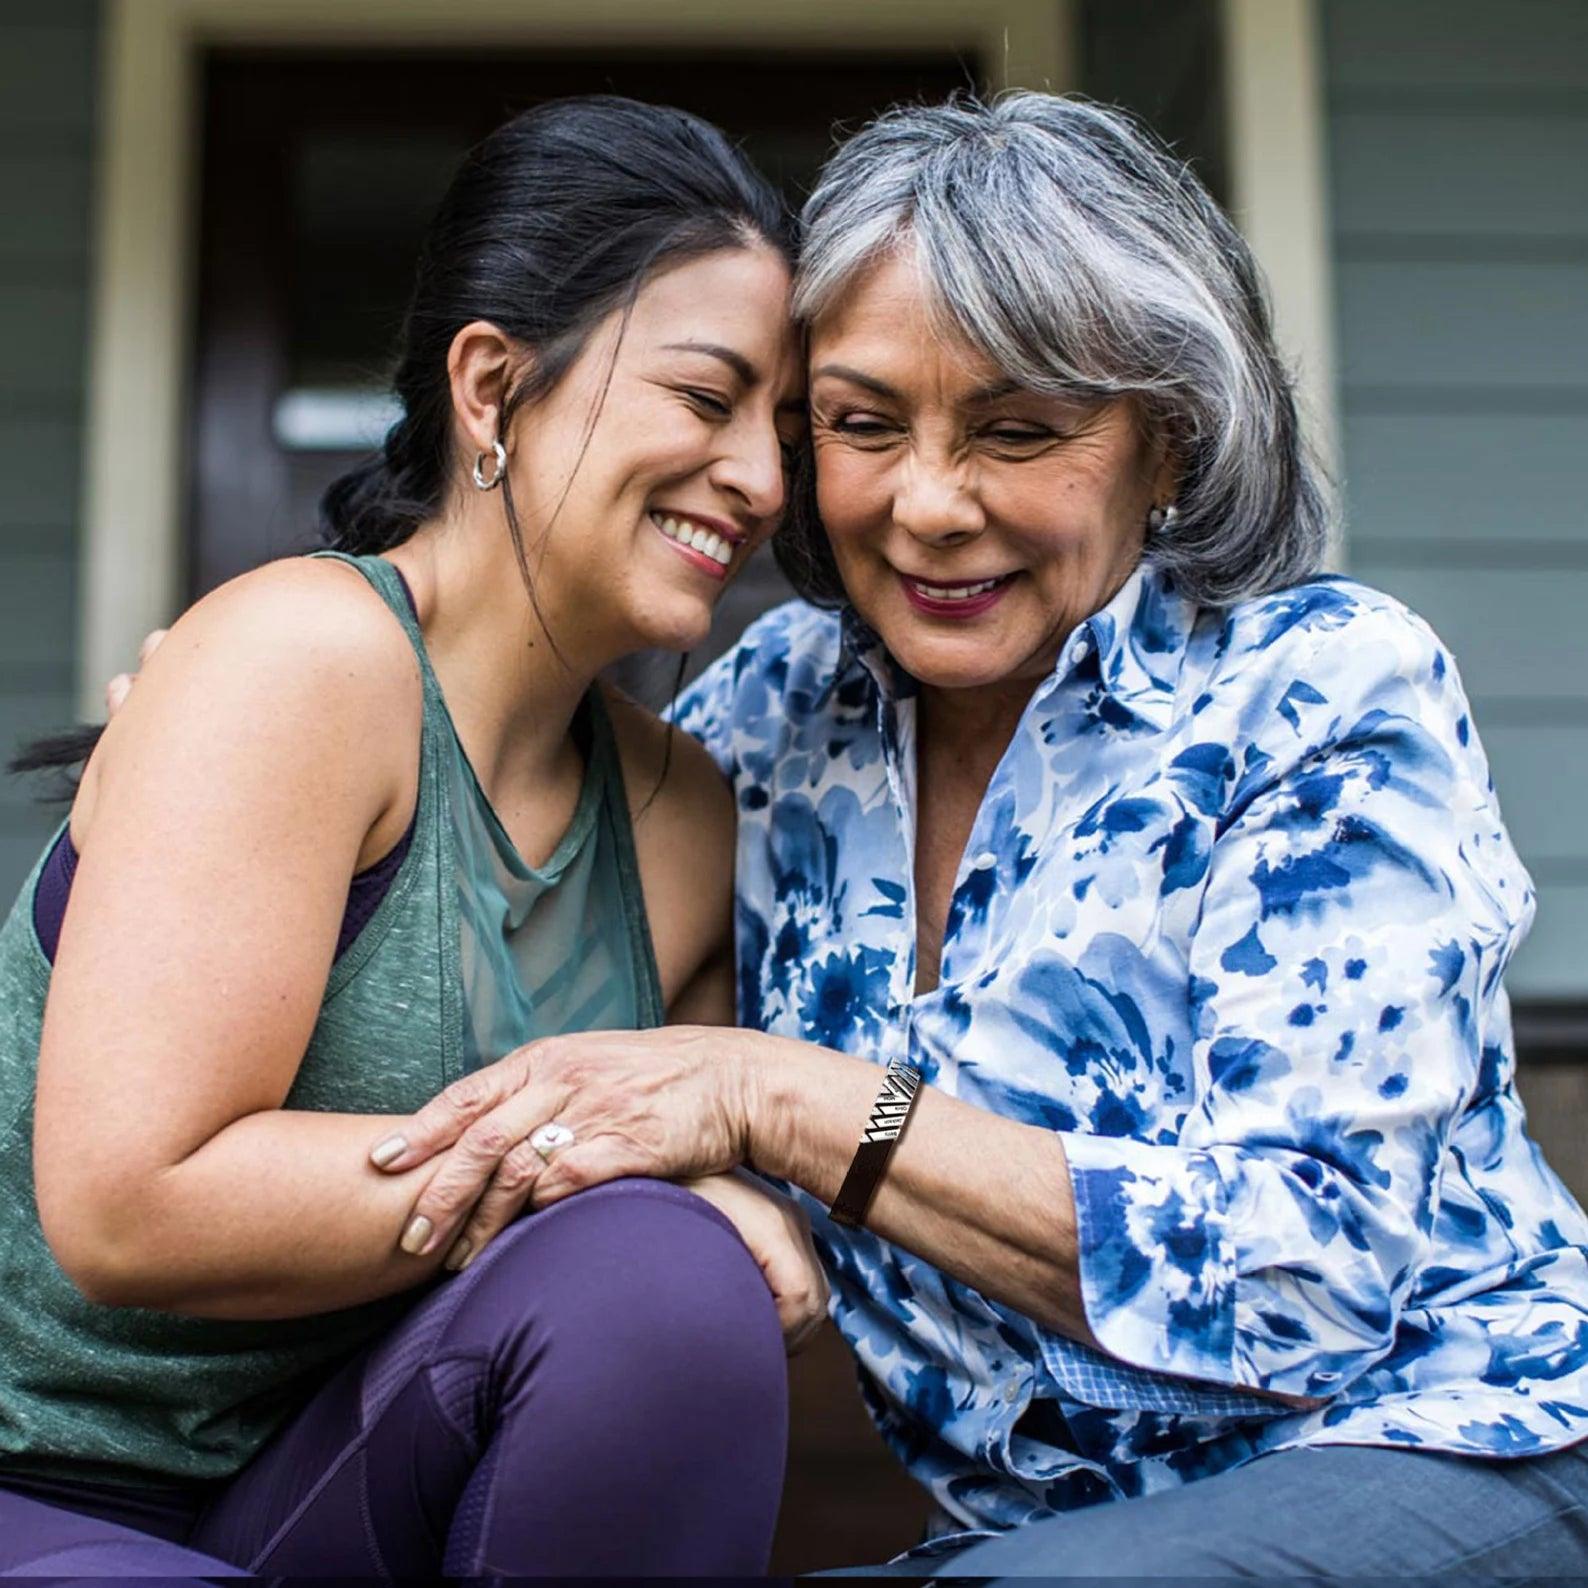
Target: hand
671	1104
117	690
778	1233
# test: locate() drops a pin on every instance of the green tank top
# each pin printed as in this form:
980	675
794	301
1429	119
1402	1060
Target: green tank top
470	954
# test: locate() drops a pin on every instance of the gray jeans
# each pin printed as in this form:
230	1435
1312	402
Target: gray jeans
1333	1511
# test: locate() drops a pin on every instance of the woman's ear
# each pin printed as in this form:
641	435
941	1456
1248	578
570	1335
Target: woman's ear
480	366
1166	486
1163	468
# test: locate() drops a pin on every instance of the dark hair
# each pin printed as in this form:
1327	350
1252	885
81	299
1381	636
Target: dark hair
554	221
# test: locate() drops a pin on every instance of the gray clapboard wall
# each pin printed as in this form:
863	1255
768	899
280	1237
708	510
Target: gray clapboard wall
48	67
1458	151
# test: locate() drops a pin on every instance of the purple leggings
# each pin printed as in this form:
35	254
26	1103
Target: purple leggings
603	1391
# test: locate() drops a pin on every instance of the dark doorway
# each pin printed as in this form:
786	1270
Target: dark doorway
319	175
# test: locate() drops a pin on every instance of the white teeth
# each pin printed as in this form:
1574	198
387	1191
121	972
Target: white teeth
705	541
963	592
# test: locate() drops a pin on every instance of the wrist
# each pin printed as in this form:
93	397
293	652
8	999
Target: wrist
889	1114
810	1105
763	1072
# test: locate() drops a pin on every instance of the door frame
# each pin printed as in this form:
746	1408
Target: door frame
1277	136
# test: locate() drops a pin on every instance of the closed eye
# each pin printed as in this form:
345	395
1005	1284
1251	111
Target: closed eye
859	425
1018	435
708	403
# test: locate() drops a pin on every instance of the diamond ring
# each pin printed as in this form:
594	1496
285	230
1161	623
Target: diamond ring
551	1136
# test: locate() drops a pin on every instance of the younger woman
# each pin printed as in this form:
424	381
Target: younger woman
364	826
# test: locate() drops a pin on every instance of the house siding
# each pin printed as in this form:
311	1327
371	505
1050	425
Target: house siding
1458	153
48	69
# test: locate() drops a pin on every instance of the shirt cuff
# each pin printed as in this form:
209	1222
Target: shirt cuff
1156	1254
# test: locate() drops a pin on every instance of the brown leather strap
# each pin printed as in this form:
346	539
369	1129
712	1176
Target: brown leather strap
881	1135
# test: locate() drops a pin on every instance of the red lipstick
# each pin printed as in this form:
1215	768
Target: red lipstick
954	606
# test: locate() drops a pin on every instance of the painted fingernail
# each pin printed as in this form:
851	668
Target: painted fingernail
459	1255
386	1151
417	1234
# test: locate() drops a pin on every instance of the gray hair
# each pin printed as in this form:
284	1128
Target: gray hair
1071	248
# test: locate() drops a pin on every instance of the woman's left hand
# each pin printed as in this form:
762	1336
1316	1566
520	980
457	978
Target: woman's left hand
672	1103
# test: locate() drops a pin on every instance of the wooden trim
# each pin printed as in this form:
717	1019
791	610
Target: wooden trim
132	503
1279	190
133	506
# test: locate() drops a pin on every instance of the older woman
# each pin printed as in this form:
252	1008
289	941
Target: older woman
1166	878
1173	871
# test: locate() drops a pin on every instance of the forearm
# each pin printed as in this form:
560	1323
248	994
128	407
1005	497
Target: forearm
983	1198
279	1215
987	1200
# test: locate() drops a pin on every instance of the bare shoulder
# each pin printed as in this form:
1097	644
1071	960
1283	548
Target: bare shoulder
301	655
316	613
310	621
684	830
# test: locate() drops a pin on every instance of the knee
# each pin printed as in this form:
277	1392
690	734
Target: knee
648	1276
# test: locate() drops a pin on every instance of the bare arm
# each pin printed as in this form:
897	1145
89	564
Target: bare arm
981	1197
986	1199
253	769
276	1216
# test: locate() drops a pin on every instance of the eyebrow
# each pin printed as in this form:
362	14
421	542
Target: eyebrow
737	362
740	365
856	378
991	392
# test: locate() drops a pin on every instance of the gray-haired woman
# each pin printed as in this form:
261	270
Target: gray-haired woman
1166	878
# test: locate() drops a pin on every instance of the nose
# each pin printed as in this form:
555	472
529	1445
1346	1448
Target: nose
933	502
751	469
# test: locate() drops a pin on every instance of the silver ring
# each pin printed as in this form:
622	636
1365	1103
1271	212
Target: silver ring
548	1138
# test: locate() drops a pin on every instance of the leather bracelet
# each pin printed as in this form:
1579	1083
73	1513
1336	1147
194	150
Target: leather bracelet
888	1116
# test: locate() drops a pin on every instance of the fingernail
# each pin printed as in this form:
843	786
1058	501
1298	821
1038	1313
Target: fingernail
392	1147
417	1234
459	1254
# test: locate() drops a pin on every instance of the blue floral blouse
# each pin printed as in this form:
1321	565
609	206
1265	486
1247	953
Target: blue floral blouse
1232	920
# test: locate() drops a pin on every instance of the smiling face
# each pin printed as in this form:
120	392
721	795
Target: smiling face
974	524
657	464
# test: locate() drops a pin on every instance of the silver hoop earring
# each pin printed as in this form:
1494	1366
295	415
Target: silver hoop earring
1162	518
499	452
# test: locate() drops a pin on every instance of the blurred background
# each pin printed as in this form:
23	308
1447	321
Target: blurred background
209	211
